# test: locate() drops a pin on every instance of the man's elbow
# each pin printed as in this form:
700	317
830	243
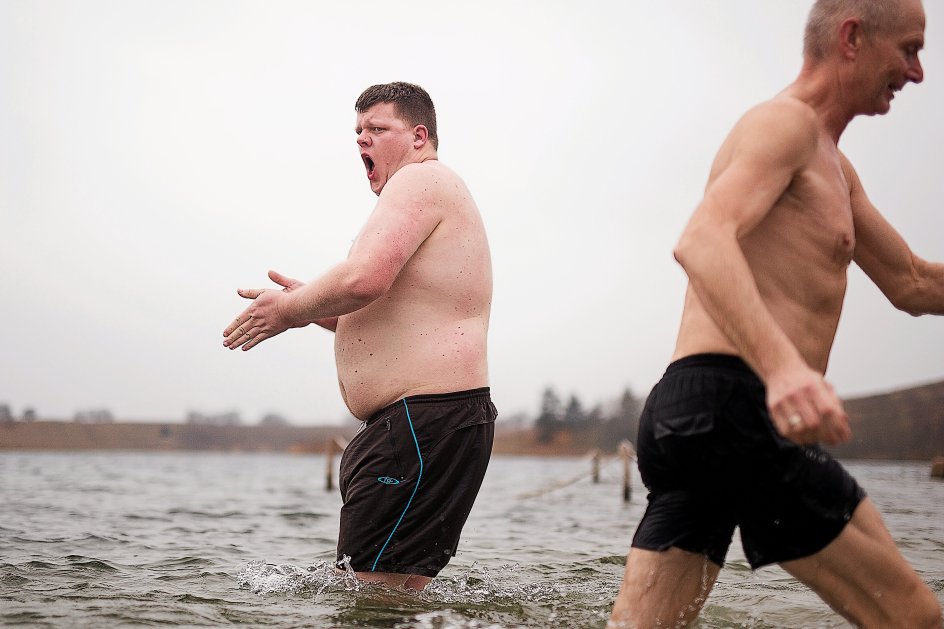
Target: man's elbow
686	249
909	301
364	287
679	252
915	292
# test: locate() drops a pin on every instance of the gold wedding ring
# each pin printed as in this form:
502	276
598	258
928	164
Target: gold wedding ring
795	420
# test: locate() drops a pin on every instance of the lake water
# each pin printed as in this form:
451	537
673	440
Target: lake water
204	540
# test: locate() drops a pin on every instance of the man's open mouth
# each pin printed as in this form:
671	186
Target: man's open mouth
368	163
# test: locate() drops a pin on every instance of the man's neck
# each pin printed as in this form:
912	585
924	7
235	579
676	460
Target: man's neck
821	86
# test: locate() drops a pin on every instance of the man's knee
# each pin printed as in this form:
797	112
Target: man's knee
919	610
922	611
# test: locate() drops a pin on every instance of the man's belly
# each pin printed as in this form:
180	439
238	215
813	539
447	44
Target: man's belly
375	370
811	331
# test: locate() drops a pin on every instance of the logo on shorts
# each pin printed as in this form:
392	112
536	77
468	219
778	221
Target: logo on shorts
386	480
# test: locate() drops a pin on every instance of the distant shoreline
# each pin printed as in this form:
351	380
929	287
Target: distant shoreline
174	437
904	425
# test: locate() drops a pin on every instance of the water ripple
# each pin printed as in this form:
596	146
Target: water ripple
173	550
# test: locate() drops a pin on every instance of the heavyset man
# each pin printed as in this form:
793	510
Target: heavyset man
410	310
728	437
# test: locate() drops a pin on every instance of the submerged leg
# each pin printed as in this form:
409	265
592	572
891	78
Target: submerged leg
862	576
662	589
395	580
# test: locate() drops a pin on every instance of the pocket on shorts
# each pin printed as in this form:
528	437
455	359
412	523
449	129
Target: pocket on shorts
378	452
689	425
684	451
394	456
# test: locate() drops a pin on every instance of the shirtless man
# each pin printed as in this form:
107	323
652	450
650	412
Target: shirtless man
410	310
729	435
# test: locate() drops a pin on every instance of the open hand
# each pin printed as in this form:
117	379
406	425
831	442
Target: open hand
264	318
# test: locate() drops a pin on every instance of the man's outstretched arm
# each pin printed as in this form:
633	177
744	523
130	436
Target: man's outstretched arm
404	217
911	283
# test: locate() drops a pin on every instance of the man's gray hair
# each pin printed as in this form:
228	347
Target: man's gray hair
822	26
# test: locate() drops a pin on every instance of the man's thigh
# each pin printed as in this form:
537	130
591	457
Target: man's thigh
862	576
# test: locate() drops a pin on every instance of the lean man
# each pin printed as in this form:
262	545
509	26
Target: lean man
728	436
410	311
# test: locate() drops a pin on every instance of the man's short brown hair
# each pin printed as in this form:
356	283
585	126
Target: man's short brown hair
412	104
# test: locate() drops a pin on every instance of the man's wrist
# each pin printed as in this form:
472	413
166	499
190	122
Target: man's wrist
292	310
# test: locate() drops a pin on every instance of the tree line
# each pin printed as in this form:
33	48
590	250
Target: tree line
605	426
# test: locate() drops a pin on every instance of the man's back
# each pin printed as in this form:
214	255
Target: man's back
427	334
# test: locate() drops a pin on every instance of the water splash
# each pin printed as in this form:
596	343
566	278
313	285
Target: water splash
480	585
476	585
264	578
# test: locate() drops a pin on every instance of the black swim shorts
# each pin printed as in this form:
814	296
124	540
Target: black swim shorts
408	480
712	460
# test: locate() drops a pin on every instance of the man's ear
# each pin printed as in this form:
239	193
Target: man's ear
420	136
851	37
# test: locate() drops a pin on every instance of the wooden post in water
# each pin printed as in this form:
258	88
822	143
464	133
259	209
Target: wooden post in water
626	452
937	467
595	465
329	465
333	447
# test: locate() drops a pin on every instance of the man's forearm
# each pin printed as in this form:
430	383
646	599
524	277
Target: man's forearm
340	291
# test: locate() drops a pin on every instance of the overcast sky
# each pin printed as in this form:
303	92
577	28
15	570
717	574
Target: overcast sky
154	156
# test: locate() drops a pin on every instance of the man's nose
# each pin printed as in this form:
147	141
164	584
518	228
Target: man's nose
362	138
915	72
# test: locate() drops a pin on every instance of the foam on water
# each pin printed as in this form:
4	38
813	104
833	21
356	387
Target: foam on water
265	578
478	584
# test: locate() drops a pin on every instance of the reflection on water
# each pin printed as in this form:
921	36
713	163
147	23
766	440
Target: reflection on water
104	539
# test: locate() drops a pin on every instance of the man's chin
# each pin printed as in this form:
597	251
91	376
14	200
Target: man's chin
879	110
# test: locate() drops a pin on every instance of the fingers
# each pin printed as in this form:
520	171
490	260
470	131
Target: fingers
287	283
240	333
240	327
254	340
280	279
245	337
835	422
810	413
242	320
250	293
259	321
799	422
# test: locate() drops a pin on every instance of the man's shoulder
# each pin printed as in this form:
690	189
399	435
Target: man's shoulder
429	182
783	128
783	115
430	171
